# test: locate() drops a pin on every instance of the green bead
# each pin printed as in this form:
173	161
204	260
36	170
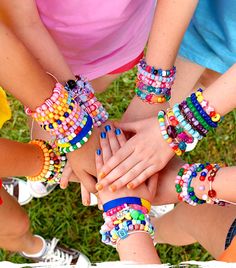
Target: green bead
82	142
141	217
190	189
134	214
179	190
192	198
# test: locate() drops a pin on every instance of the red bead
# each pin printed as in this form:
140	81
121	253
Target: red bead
209	167
181	182
202	178
180	198
212	114
175	147
210	178
174	123
148	68
212	193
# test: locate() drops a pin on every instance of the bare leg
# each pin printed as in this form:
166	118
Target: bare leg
14	227
205	224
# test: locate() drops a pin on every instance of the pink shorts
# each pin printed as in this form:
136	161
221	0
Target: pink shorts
128	65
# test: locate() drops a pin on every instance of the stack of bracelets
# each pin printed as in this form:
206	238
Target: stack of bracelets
54	163
187	123
154	85
83	93
64	119
123	217
185	177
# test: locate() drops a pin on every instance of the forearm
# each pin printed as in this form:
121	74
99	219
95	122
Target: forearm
170	22
21	74
221	94
25	22
224	184
19	159
138	248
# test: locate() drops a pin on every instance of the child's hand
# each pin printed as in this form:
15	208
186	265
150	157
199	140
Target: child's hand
110	144
140	157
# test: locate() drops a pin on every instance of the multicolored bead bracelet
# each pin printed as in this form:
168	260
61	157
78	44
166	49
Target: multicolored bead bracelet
187	123
154	85
125	221
83	92
54	163
64	119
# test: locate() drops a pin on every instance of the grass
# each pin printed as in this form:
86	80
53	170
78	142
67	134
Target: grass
62	215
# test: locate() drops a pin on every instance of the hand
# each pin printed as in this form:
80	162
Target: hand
140	157
110	144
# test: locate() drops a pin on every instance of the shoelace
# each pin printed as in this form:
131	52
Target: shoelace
9	188
54	254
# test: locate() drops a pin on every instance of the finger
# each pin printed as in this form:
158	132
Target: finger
129	176
125	167
152	184
65	176
118	158
88	182
85	195
100	207
112	138
99	162
147	173
120	137
105	147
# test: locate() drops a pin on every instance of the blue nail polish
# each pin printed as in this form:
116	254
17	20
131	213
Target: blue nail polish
99	152
103	135
108	128
117	131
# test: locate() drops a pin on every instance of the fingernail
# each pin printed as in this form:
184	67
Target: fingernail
99	152
63	186
102	175
130	185
86	203
108	128
117	131
99	186
103	135
112	188
100	207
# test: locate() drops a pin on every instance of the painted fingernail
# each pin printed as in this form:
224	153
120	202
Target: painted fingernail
108	128
99	152
130	185
112	188
99	186
102	175
63	186
103	135
117	131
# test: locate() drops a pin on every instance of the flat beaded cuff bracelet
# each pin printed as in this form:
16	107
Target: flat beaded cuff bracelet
54	163
83	92
63	118
154	85
187	123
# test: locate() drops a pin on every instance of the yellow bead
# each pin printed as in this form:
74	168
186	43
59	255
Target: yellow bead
198	94
161	120
169	140
115	236
200	98
216	118
50	115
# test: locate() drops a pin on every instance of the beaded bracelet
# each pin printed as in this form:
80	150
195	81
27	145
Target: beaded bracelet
184	125
124	222
54	163
154	85
84	94
65	119
184	179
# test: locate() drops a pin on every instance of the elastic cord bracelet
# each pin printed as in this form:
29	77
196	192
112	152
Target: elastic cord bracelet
126	200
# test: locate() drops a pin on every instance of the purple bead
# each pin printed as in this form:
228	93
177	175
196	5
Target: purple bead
171	131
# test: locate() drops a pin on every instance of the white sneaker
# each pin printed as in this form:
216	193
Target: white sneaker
58	255
40	189
158	211
17	188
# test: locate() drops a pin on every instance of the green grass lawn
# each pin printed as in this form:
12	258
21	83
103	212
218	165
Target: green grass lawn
62	215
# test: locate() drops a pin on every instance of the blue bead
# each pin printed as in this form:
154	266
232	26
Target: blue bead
191	193
66	114
50	126
194	174
204	174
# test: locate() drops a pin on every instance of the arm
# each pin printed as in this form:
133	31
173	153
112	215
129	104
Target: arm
22	76
24	20
150	141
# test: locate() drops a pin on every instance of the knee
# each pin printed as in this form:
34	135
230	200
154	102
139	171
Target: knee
19	227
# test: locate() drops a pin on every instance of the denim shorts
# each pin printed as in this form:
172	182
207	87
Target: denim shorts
231	234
